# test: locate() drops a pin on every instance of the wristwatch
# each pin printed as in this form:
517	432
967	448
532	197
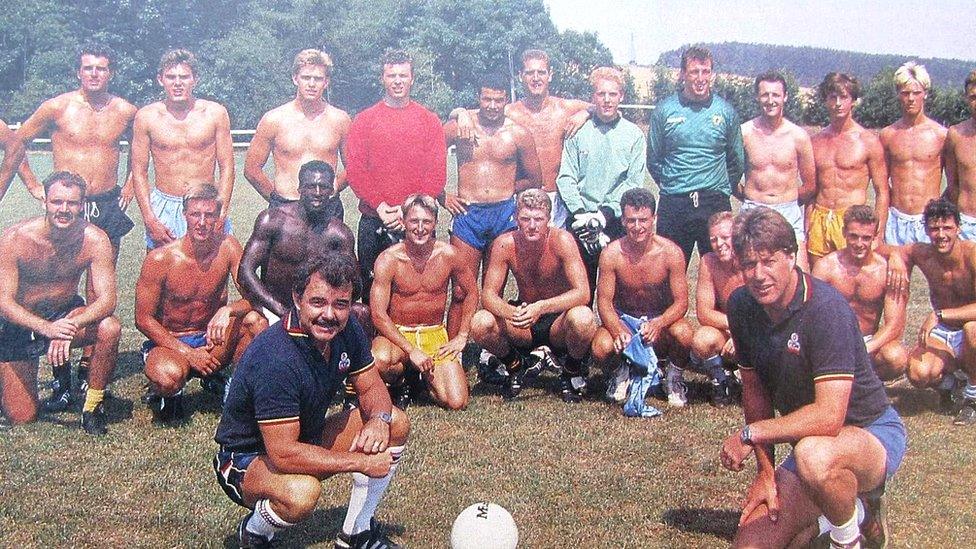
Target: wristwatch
385	417
938	315
745	436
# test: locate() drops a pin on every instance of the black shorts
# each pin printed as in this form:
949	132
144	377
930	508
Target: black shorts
103	211
19	344
540	330
230	468
333	207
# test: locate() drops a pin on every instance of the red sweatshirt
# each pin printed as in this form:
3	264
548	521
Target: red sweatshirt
392	153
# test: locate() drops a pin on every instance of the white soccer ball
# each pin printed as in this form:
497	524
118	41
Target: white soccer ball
484	525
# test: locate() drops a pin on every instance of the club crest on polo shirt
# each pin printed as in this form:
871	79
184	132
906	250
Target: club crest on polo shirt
793	345
717	119
343	362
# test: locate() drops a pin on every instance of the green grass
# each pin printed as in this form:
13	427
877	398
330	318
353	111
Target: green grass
572	476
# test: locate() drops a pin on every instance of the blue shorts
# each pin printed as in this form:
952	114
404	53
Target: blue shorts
169	209
195	340
967	227
230	468
890	432
903	228
484	222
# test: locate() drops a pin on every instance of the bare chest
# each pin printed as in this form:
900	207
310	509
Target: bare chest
81	125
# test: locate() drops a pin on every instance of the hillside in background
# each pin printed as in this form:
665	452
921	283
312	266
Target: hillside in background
809	64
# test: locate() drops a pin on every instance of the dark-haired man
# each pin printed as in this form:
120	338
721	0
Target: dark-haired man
408	302
551	308
801	354
694	154
643	292
780	171
187	139
276	443
947	337
182	307
860	275
394	149
960	164
847	157
303	129
41	263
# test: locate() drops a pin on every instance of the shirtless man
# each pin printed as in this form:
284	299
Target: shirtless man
947	337
285	236
549	119
960	164
41	263
13	155
551	308
303	129
860	275
499	161
408	302
718	275
778	156
913	153
181	305
847	157
187	138
642	290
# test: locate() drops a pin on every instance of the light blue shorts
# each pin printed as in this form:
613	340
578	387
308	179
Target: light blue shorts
903	228
967	227
790	210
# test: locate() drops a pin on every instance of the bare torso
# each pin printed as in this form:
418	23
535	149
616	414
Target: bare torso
772	175
49	270
725	279
538	270
961	140
547	126
487	170
914	157
842	166
642	278
418	291
85	141
298	139
183	147
952	280
862	285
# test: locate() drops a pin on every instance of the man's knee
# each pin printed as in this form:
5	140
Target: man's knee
707	342
167	376
892	360
109	330
254	323
815	460
482	324
298	497
682	333
581	321
602	348
399	428
923	371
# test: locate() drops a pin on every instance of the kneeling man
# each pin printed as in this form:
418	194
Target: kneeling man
276	443
801	354
642	290
551	308
41	262
181	306
408	299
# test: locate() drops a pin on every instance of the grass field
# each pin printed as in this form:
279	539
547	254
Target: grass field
572	476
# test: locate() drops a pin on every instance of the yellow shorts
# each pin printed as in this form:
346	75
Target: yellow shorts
826	232
428	339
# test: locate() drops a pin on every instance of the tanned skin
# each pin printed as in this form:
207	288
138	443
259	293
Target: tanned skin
718	277
13	163
960	159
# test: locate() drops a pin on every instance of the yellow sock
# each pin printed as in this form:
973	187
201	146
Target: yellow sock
93	398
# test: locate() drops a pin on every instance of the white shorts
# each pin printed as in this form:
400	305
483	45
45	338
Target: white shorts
903	228
560	214
946	339
967	227
790	210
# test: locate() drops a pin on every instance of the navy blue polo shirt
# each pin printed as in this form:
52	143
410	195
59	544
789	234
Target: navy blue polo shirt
283	377
817	340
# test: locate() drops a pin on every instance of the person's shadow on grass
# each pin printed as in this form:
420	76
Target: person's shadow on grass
716	522
321	527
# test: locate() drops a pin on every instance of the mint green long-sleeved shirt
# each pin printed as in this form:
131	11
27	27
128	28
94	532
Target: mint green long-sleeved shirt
599	163
695	146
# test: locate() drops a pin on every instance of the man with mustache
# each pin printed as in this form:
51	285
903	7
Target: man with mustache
182	307
860	275
913	148
187	139
801	355
394	149
712	347
303	129
694	154
41	263
276	443
408	303
551	308
848	157
947	338
642	292
780	171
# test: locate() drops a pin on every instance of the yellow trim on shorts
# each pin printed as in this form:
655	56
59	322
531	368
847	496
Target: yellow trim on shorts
361	370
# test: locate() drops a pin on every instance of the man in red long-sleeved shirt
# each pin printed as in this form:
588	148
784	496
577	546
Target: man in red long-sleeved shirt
394	149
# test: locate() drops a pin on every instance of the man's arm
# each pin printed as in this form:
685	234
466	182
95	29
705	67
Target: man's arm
895	311
463	275
568	180
101	274
374	400
578	113
43	118
735	154
708	314
127	192
435	172
878	171
493	282
655	147
806	166
13	157
823	417
606	291
951	169
257	157
224	145
528	162
139	161
256	253
356	157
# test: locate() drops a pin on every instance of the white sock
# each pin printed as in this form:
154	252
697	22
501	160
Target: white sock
824	524
366	496
265	522
847	532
